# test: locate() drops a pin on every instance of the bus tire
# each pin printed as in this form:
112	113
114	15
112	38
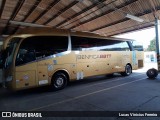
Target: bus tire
59	81
128	70
152	73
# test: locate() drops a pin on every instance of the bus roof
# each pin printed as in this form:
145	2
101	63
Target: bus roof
28	32
94	35
52	31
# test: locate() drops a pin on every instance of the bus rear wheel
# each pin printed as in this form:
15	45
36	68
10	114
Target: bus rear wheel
59	81
128	70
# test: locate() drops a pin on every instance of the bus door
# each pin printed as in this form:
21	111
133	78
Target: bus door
26	65
26	68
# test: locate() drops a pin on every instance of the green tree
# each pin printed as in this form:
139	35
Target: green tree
152	46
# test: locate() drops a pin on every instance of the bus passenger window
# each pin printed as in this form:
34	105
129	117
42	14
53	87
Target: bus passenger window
83	43
125	46
137	46
112	45
38	47
96	44
50	45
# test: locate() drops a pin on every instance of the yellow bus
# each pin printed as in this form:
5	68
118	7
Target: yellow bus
37	57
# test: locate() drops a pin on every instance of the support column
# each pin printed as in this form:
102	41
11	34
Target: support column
157	43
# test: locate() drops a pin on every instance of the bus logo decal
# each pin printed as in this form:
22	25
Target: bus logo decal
93	56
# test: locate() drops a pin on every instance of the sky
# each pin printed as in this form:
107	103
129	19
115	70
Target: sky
142	36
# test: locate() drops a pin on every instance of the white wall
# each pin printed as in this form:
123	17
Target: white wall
150	57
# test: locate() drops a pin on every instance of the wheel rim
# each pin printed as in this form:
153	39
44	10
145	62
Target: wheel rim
59	82
128	70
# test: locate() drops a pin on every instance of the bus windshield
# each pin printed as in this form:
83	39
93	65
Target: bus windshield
9	52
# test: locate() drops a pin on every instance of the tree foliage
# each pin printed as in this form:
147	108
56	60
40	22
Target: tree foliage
152	46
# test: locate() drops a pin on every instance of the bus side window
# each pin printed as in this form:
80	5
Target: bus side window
112	45
79	43
38	47
137	46
50	45
83	43
26	53
125	46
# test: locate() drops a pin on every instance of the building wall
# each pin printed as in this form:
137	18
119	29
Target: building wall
150	57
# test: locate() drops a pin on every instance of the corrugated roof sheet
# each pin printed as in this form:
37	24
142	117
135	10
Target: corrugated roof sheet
100	16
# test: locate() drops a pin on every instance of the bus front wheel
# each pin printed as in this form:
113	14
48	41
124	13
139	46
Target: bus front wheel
128	70
59	81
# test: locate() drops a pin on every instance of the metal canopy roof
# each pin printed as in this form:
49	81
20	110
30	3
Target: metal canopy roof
100	16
